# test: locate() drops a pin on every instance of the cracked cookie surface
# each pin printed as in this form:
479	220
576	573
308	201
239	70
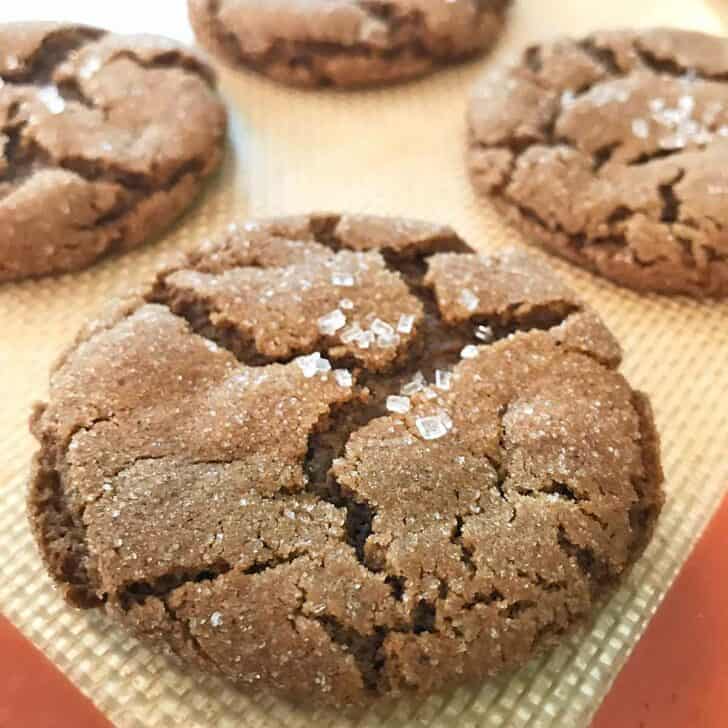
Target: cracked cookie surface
610	151
345	457
346	42
104	141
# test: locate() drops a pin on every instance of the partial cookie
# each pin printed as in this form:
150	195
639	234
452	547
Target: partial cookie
345	457
346	42
104	141
612	151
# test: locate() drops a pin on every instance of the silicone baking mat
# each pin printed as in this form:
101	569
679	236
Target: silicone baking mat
399	150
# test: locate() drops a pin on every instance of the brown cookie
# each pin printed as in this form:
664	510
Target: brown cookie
345	457
346	42
104	141
612	151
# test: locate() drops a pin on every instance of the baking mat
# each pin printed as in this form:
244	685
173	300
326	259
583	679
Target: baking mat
398	151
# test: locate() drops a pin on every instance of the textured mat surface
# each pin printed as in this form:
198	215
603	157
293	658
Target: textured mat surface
398	151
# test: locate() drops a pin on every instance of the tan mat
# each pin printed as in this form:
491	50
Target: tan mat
393	151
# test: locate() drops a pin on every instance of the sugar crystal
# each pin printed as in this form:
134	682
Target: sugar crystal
568	98
640	128
431	428
687	104
351	334
416	385
345	280
343	377
51	99
469	299
381	328
313	364
443	379
90	67
387	341
331	322
398	404
365	339
445	418
484	333
405	324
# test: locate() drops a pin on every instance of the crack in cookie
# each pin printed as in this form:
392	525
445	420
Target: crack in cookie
608	151
457	486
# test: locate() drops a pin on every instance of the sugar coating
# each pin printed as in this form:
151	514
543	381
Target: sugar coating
293	306
337	525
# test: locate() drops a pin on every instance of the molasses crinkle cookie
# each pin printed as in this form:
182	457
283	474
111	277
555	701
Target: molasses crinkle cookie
612	151
345	457
104	140
346	42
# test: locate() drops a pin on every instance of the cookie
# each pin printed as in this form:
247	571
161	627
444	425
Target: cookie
343	457
104	141
611	152
346	42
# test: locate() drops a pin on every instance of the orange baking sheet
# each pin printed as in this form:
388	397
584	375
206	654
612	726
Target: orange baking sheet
34	693
677	676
